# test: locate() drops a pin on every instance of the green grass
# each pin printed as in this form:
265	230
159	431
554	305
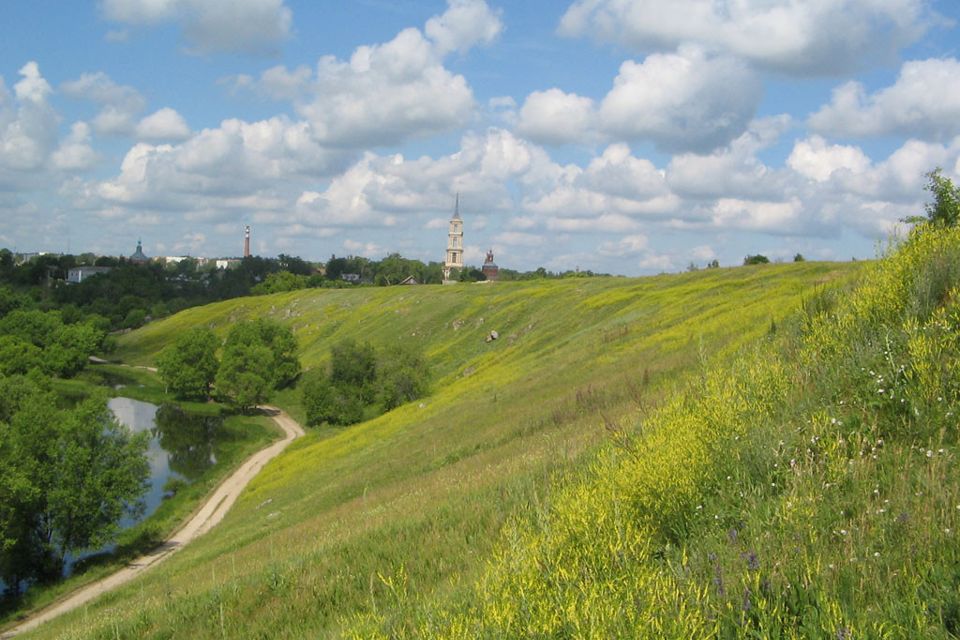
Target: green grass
810	489
238	438
416	500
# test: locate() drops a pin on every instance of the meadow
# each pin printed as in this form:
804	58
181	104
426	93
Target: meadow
385	526
810	489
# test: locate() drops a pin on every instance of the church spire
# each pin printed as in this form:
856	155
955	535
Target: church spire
454	256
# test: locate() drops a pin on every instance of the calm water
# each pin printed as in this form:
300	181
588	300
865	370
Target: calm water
181	448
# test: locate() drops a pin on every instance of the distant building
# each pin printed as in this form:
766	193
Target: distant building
138	257
227	263
246	241
490	268
175	259
350	277
79	274
409	280
454	257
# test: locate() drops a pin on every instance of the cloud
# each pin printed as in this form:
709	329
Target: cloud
120	105
734	169
627	245
555	117
165	124
377	189
923	102
520	239
211	26
366	249
28	124
781	35
387	93
685	101
772	217
818	161
239	167
75	152
465	24
616	182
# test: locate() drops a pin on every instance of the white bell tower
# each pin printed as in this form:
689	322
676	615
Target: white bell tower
454	257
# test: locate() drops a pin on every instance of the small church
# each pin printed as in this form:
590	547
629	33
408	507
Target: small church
138	256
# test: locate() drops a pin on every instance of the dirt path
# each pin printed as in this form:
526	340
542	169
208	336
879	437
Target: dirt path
212	512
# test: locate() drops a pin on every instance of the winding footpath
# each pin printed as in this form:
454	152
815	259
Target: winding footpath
211	513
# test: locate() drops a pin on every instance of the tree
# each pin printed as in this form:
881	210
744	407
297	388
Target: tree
280	281
189	366
258	355
244	376
66	479
402	376
354	365
17	356
325	401
472	274
945	208
757	259
799	258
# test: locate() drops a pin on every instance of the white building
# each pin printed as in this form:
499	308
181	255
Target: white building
454	257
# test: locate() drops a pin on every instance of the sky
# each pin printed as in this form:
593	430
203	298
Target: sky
620	136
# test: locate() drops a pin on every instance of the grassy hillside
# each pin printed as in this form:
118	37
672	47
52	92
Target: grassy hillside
348	524
810	490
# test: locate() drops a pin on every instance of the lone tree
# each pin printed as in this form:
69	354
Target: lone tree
189	366
945	208
757	259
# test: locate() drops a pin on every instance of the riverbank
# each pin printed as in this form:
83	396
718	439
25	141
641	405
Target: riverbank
240	437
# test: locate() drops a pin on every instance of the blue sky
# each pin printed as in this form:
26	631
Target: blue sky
623	136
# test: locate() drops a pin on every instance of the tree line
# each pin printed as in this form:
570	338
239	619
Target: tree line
362	382
258	356
68	471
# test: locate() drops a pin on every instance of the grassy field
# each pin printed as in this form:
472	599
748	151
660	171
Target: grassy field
348	523
810	489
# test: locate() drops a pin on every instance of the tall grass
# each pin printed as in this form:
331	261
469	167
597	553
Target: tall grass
810	490
360	529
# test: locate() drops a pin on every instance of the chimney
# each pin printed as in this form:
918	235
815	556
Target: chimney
246	241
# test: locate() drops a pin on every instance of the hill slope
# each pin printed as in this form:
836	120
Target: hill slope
811	490
423	491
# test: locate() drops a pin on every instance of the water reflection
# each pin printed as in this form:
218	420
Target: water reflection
180	450
187	438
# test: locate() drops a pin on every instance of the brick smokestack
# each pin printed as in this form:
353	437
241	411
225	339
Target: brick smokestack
246	241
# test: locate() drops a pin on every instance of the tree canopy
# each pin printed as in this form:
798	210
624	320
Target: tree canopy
945	208
258	356
67	476
189	366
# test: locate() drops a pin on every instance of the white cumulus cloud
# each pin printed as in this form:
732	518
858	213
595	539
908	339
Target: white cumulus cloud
817	160
120	105
465	24
819	37
923	102
165	124
75	152
209	26
681	101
